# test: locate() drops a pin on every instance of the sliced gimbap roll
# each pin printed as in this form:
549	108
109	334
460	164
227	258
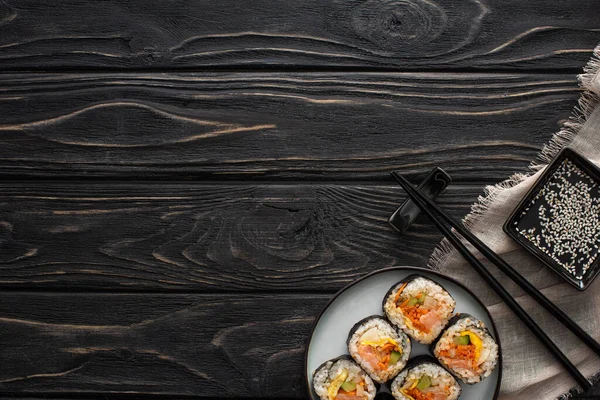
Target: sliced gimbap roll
467	349
425	379
420	307
379	348
342	379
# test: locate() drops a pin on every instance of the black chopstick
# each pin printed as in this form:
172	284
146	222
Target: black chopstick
508	270
423	204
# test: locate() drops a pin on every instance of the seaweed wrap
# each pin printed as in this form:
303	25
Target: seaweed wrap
467	349
420	307
424	379
379	348
342	379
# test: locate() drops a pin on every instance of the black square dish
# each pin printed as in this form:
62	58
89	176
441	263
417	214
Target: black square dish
558	221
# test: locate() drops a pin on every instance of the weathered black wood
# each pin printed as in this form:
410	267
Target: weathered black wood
405	34
227	346
280	125
197	345
240	237
192	236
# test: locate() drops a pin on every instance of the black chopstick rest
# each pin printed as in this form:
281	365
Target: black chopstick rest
433	185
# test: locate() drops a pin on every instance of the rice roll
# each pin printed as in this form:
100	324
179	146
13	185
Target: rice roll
342	379
467	349
420	307
379	348
425	379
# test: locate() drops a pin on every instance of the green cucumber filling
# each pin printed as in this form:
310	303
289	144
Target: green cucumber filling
462	340
349	386
394	357
424	382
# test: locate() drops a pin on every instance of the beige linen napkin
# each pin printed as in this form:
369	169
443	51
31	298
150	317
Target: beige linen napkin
530	371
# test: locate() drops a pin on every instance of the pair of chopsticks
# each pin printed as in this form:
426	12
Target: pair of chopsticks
439	216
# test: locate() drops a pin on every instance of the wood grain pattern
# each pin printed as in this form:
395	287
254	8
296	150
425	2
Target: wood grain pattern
187	236
278	125
173	345
390	33
195	345
238	270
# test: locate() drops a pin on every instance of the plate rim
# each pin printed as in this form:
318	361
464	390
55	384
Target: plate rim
408	268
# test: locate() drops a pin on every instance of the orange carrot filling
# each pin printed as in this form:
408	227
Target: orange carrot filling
399	292
465	352
418	395
414	313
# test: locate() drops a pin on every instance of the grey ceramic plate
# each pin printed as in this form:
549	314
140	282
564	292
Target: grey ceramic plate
364	297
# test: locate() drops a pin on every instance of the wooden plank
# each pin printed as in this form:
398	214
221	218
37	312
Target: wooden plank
382	33
170	345
279	125
191	236
200	345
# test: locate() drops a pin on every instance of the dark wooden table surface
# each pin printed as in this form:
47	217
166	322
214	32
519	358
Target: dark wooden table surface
186	183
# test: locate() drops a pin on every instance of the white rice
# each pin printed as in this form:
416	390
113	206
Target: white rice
332	369
438	375
489	346
445	304
385	329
